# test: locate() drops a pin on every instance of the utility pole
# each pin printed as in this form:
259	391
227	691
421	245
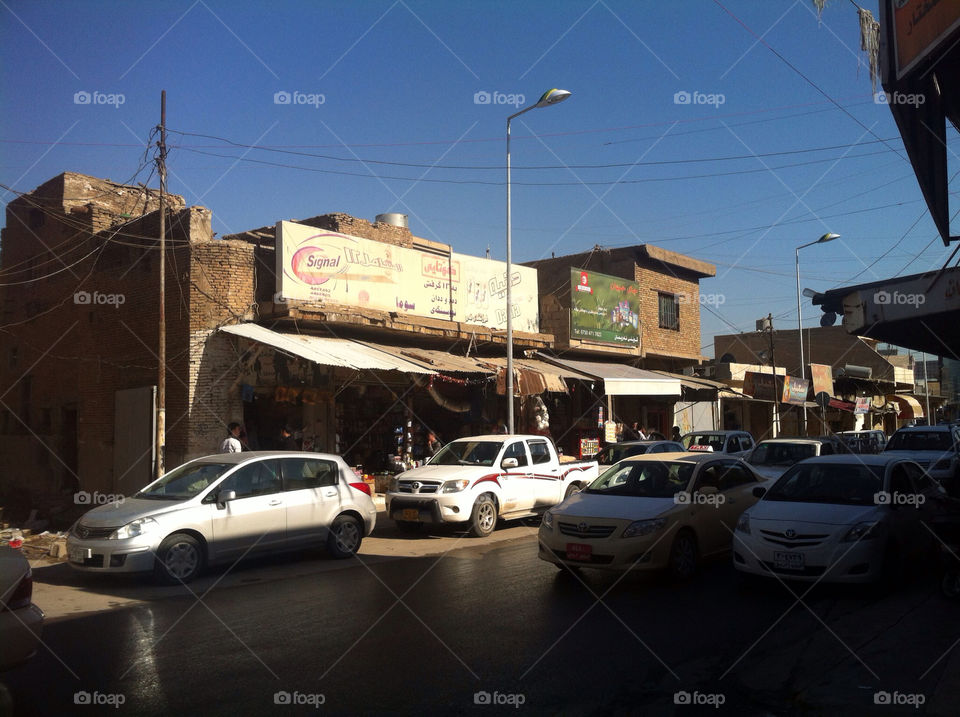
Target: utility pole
161	442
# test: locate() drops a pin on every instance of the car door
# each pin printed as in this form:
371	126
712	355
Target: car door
311	489
545	474
253	521
519	491
707	509
906	506
735	488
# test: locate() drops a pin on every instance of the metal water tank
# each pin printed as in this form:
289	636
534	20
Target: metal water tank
393	218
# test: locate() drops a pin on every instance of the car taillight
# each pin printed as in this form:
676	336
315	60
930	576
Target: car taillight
361	486
21	596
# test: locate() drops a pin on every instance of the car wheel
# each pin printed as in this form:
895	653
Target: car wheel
572	490
344	537
179	559
408	526
683	556
483	518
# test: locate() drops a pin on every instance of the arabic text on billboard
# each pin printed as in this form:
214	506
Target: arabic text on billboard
324	266
604	308
795	390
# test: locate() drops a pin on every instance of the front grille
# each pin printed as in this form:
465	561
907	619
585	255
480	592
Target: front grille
798	540
412	486
88	533
585	530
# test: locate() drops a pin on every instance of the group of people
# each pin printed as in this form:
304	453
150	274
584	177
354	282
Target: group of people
236	442
634	432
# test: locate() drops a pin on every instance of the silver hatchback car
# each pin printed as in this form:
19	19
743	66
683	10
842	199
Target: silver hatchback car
223	507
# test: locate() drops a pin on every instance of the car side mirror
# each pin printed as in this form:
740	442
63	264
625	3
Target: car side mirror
225	496
759	491
708	490
508	463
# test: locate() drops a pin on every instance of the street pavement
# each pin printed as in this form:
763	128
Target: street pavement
483	627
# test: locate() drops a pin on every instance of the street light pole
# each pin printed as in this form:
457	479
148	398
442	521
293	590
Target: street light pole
550	97
825	238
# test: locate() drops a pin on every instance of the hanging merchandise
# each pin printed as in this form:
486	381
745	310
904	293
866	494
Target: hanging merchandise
600	417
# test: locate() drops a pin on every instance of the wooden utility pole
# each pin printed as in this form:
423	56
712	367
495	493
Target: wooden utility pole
161	442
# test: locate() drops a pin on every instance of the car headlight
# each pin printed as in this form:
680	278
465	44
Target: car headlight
862	531
455	486
548	519
743	524
141	526
643	527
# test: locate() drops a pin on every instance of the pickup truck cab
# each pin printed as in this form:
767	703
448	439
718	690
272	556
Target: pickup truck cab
478	479
733	443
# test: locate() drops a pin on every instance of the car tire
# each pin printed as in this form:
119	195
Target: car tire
345	536
408	526
573	489
683	556
180	558
483	517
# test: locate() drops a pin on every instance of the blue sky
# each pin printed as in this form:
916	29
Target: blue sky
763	158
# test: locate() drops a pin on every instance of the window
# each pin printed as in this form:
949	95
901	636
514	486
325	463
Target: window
516	450
301	473
734	475
733	445
669	310
258	478
539	452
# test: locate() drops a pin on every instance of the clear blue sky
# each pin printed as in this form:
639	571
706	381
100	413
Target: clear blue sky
399	83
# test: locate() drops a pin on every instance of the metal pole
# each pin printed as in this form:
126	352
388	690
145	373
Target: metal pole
509	297
773	371
926	387
162	314
803	426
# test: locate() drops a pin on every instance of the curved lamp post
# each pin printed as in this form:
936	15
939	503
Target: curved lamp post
550	97
829	236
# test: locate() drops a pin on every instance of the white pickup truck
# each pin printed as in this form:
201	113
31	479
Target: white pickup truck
479	479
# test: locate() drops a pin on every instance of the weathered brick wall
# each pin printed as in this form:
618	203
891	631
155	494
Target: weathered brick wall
669	342
356	227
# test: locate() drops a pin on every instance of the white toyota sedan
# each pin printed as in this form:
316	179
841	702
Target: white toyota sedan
223	507
841	518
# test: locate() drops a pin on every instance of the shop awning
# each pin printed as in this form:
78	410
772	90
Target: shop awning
552	375
620	379
327	351
908	406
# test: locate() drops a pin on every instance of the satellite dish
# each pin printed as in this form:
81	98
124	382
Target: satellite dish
829	318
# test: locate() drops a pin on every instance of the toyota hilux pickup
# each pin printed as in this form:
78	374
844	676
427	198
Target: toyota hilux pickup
480	479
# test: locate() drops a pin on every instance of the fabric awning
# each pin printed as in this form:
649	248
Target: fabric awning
909	407
327	351
552	375
620	379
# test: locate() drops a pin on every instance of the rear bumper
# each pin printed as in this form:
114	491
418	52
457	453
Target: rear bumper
21	630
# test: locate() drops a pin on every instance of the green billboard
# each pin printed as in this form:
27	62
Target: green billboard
604	308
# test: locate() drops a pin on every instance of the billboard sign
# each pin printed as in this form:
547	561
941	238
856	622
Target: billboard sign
761	386
324	266
604	309
795	390
920	28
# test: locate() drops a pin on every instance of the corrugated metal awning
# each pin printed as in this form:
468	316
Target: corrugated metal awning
436	360
327	351
620	379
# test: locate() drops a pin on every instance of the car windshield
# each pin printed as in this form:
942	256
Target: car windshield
185	482
649	479
919	441
843	483
616	453
468	453
781	454
703	441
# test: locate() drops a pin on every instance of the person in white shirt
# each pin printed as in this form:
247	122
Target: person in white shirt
231	444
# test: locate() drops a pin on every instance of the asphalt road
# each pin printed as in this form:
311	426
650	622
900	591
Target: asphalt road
438	634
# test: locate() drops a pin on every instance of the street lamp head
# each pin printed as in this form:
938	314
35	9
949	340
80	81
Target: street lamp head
829	236
552	97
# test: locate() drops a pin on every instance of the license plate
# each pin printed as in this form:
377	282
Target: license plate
788	561
78	555
411	514
579	551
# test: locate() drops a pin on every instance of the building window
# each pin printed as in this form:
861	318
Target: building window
669	310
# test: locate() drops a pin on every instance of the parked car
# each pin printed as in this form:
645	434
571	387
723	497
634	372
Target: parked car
735	443
480	479
773	457
846	518
866	441
935	448
223	507
616	452
651	512
21	622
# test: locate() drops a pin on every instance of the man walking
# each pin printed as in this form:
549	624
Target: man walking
231	444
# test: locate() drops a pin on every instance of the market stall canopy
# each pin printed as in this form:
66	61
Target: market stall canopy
699	383
552	375
327	351
908	406
435	360
620	379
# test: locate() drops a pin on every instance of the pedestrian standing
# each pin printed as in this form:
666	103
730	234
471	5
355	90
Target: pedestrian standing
433	444
287	440
231	444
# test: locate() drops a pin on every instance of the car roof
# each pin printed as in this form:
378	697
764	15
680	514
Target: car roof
641	443
939	428
685	457
499	437
879	459
236	458
714	433
800	441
